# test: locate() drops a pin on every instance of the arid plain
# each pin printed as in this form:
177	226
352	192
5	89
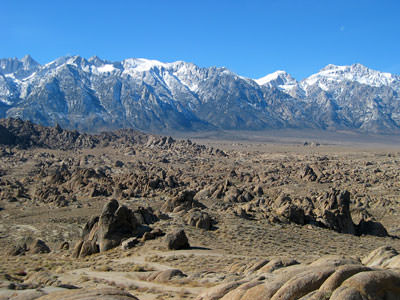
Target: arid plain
252	208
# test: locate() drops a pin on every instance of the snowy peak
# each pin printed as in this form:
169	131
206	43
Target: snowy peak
276	79
97	94
29	63
281	80
328	77
142	64
14	65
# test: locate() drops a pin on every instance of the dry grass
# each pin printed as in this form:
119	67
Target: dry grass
371	175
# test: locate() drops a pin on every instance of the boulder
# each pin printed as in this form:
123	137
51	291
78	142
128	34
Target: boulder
199	219
239	292
177	240
88	248
165	276
182	202
341	274
327	278
303	283
371	227
277	263
115	224
129	243
64	246
77	249
334	211
31	245
309	174
219	291
377	285
380	256
287	211
145	216
39	246
330	210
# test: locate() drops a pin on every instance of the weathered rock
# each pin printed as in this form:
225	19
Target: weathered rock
380	256
198	219
157	232
177	240
182	202
165	276
88	248
377	285
334	212
64	246
129	243
42	279
277	263
89	226
145	216
115	224
239	292
309	174
287	211
34	246
332	277
330	210
90	294
219	291
39	246
303	283
17	250
147	236
341	274
77	249
258	191
371	227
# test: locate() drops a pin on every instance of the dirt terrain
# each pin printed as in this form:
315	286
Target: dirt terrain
240	203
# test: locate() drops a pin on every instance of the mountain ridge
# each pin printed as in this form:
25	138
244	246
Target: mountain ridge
95	94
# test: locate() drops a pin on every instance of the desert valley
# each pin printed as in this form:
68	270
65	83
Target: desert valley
125	214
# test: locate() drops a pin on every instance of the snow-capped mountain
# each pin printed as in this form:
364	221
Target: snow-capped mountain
331	76
280	79
95	94
283	81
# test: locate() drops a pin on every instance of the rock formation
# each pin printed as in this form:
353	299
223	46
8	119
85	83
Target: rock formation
177	240
328	278
115	224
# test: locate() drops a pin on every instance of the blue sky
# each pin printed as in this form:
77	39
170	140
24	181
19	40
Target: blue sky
252	37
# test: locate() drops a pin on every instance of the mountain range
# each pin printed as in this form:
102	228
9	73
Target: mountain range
94	94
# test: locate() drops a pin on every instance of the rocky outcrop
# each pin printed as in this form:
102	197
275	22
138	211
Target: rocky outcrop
26	134
166	275
182	202
309	174
330	210
177	240
384	257
29	245
115	224
330	278
371	227
199	219
333	211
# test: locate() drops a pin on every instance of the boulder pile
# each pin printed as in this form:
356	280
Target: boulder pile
329	278
115	224
330	210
